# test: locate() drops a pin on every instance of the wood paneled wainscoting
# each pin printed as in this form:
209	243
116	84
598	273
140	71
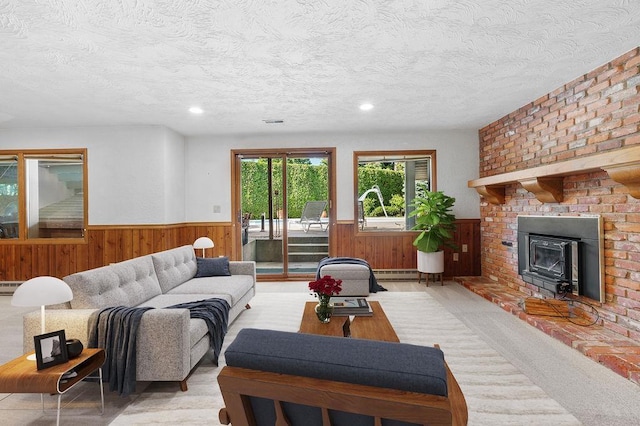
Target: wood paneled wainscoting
22	260
395	250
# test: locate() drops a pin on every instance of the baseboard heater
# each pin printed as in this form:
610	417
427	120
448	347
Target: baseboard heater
8	287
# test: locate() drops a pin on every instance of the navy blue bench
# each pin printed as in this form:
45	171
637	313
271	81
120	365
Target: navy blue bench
305	379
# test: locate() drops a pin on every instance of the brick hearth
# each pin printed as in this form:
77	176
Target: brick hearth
604	346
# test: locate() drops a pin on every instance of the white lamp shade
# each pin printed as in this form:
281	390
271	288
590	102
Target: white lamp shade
203	243
42	291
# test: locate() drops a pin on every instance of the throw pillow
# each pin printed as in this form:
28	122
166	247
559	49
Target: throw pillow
212	267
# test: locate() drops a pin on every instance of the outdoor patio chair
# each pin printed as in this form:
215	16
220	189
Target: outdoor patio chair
312	215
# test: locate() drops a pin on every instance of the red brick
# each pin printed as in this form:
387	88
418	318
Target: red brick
635	336
634	313
629	284
565	124
539	134
616	254
587	150
628	208
595	352
631	119
631	101
596	72
628	303
624	75
625	58
609	124
593	102
624	94
602	208
584	85
616	328
628	226
633	63
608	109
625	130
617	363
599	86
606	75
601	137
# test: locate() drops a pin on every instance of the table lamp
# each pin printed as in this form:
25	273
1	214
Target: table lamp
203	243
41	291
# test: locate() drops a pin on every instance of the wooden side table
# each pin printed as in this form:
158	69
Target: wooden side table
22	376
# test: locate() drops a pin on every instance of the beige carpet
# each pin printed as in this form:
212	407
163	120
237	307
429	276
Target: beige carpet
496	392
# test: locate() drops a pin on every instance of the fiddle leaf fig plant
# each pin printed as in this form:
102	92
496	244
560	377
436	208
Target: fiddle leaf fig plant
432	210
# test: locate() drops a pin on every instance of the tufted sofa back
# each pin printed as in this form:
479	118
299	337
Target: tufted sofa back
175	266
127	283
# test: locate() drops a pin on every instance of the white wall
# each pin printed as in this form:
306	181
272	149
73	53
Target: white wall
152	175
208	171
174	177
133	178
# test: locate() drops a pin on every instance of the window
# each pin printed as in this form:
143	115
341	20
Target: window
385	184
42	194
8	196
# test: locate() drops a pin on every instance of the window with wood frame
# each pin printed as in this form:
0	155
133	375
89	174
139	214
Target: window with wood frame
385	184
43	194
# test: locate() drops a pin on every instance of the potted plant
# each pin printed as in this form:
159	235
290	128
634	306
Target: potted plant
432	212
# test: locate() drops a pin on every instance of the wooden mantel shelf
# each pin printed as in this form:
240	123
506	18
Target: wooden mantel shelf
545	182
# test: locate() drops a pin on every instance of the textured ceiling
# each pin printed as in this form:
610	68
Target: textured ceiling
422	63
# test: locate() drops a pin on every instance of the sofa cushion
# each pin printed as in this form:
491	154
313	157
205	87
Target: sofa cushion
174	266
346	271
212	267
197	327
164	300
234	287
367	362
127	283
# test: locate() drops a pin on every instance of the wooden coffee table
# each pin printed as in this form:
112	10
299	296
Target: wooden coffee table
375	327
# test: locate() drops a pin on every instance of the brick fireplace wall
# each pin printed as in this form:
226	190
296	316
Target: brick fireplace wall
597	112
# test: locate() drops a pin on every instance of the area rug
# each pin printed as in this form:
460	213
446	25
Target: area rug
496	392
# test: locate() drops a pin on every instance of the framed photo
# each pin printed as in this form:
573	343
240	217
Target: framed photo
51	349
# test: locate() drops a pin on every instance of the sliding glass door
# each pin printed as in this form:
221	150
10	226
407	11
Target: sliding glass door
283	204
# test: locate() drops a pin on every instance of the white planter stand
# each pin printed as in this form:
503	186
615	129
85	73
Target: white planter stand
431	264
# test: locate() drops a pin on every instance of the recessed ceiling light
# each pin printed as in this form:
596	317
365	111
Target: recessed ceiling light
366	107
195	110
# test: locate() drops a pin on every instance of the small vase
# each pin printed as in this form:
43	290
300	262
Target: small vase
324	309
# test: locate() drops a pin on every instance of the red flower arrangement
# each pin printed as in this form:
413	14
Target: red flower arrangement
326	286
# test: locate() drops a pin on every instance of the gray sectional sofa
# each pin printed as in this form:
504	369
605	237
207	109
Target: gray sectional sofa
169	343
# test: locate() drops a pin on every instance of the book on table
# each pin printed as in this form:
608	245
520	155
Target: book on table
343	306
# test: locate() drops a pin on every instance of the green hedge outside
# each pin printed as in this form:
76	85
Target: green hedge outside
308	182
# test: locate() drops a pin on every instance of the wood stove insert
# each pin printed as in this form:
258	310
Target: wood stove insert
562	254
